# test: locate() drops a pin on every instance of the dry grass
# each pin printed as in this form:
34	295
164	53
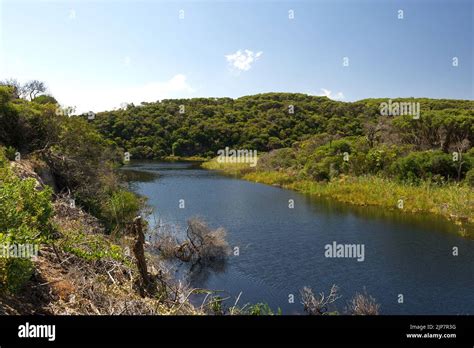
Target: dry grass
363	304
84	272
105	287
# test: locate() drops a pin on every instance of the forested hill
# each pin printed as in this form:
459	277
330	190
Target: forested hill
202	126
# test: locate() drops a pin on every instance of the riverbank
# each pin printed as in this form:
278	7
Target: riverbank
79	269
184	159
453	202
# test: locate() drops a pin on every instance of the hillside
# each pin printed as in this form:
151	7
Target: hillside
263	122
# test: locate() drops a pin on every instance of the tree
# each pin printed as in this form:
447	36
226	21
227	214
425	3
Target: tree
33	88
18	88
45	99
461	146
29	90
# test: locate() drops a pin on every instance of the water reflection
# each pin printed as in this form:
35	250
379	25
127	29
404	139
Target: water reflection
424	221
282	250
134	175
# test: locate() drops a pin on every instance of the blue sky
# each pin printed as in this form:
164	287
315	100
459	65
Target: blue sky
98	54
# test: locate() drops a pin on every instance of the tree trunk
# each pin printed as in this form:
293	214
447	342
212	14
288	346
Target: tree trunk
139	252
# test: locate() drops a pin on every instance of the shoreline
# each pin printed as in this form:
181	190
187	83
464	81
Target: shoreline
450	202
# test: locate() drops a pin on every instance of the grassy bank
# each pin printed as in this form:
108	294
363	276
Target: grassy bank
453	202
184	158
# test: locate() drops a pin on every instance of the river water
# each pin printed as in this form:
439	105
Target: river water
281	250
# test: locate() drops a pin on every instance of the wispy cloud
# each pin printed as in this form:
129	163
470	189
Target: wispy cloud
110	97
127	60
72	14
243	60
327	93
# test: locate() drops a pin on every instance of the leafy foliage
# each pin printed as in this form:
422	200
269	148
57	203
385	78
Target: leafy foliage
119	209
265	122
82	161
26	214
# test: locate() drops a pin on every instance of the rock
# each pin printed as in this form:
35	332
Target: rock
24	170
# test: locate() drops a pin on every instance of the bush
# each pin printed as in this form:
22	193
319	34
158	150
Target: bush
84	163
14	273
201	245
418	166
25	220
45	99
380	159
470	177
325	168
340	146
120	209
363	304
277	159
318	304
261	309
10	153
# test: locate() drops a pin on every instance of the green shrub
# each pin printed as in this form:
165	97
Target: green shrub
380	159
277	159
91	246
340	146
14	273
325	168
470	177
120	209
45	99
418	166
262	309
25	219
10	153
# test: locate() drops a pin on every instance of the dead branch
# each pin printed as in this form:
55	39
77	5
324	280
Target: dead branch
318	305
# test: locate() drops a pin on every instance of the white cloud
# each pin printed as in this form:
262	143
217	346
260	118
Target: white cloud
327	93
127	60
72	14
242	60
97	99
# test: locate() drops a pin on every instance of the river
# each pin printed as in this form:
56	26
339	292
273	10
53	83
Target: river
281	250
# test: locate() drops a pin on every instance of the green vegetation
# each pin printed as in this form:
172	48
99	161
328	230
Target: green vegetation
311	144
79	158
427	162
343	150
60	191
25	220
91	247
262	309
451	200
79	166
264	122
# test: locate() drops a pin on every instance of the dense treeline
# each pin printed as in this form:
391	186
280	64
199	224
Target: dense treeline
264	122
202	126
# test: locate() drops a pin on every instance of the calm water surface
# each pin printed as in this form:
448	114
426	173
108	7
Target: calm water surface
282	249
